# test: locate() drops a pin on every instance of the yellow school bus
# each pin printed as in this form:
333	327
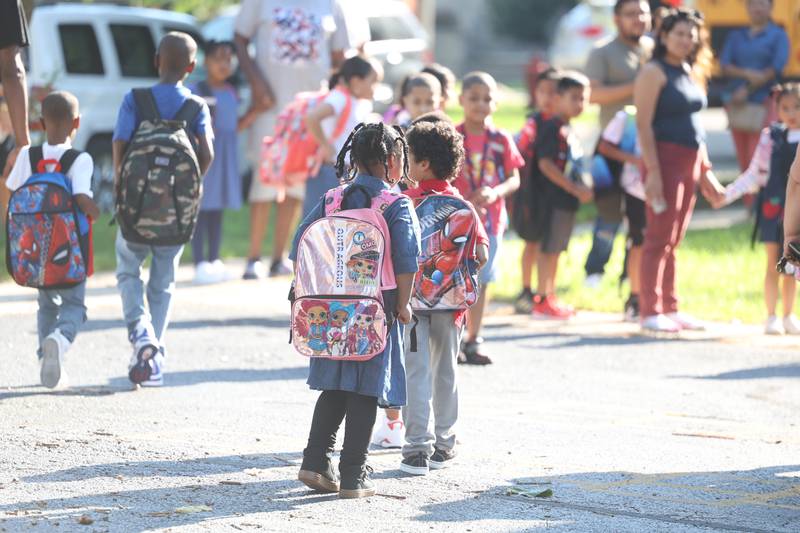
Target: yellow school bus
724	15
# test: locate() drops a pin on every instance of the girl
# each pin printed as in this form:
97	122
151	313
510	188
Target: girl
769	172
222	188
422	93
353	390
358	78
669	93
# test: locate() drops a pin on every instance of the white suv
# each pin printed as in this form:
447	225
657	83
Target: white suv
99	52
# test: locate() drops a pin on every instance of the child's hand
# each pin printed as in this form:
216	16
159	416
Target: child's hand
404	313
482	255
583	193
484	196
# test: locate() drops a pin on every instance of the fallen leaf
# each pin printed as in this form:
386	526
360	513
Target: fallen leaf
85	520
191	509
517	491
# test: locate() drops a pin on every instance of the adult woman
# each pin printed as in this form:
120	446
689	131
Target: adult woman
669	93
752	58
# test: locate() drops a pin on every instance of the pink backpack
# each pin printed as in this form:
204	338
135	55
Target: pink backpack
343	266
291	155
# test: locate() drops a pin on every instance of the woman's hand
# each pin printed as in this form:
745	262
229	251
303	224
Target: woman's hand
712	189
654	190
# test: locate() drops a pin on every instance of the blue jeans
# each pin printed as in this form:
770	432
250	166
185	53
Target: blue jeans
160	285
317	186
602	246
61	309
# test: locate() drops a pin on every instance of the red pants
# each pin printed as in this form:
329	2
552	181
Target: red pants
680	171
745	143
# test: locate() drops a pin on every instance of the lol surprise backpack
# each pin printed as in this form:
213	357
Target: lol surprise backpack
291	155
48	239
343	266
447	277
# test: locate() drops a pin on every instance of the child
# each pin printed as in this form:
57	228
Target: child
524	224
422	94
436	153
488	176
62	312
769	172
222	186
175	59
358	77
619	145
558	167
350	389
446	79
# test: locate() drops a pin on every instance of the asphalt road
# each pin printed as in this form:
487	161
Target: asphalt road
628	433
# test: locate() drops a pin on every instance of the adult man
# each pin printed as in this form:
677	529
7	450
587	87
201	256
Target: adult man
297	43
612	67
13	36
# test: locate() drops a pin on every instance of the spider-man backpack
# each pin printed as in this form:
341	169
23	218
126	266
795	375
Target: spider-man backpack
48	238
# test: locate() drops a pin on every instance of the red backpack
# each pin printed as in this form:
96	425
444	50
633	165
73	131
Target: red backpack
291	155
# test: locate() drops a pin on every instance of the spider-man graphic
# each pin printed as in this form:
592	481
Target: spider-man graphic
441	271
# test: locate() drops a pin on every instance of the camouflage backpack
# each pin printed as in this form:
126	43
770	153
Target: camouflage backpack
158	193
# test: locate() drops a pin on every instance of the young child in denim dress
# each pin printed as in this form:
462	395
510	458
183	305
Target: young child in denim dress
354	389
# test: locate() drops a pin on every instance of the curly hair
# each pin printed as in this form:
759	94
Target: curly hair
701	58
440	144
370	145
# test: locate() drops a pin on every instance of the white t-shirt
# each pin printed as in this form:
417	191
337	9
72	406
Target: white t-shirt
79	175
631	177
360	111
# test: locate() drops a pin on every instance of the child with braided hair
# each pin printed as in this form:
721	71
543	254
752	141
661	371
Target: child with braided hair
353	390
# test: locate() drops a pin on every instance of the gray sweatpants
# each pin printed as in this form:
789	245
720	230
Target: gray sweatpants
431	384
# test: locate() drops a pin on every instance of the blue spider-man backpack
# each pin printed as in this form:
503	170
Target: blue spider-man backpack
48	240
447	277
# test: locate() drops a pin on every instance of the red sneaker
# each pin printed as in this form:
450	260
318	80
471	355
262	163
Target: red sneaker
549	308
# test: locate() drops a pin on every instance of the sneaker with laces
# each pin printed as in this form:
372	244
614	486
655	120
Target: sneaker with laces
471	354
549	308
203	273
389	433
53	349
280	268
659	324
441	458
355	482
319	475
791	325
632	309
145	363
416	464
523	305
156	371
774	326
687	322
255	269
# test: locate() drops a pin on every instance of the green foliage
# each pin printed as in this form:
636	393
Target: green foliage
527	20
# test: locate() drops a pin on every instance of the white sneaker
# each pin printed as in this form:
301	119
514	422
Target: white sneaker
687	322
143	364
389	434
156	372
774	326
220	271
54	346
791	325
660	324
204	273
255	270
593	281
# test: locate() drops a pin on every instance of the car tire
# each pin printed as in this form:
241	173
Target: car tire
99	147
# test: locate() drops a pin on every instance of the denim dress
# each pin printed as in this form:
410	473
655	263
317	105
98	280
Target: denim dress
383	376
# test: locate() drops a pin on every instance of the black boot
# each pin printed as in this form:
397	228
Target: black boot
318	474
356	482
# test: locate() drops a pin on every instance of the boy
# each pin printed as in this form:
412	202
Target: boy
62	312
435	154
524	221
559	168
489	175
175	59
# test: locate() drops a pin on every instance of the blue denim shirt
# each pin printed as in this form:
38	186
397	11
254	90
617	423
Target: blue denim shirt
768	48
383	376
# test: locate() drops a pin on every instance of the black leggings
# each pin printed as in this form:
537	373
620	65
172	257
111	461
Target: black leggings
332	407
207	229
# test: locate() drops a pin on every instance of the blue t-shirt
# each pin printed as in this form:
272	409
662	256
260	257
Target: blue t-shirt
768	48
169	99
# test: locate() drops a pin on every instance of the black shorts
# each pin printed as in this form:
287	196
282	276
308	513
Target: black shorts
636	213
13	25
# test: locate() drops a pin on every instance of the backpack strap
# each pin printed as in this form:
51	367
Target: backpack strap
204	89
67	159
35	155
189	111
342	122
145	104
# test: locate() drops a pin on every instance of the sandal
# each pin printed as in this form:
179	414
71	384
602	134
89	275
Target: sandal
470	354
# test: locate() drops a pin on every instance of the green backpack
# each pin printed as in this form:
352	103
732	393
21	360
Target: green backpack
159	189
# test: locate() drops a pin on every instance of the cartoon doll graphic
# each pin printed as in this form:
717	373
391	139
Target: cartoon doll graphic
362	268
337	332
362	338
316	314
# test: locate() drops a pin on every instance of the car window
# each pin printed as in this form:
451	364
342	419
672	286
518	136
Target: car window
386	27
81	53
135	50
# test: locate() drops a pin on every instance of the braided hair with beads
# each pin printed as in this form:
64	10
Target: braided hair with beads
370	145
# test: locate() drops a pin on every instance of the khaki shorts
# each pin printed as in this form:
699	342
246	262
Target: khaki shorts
260	192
